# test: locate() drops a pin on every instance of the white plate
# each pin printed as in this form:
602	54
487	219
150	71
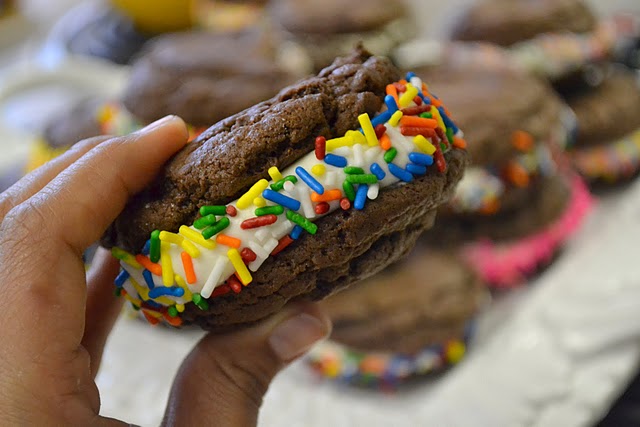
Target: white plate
557	353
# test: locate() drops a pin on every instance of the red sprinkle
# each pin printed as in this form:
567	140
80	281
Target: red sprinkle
234	284
220	290
248	255
380	130
322	208
417	100
418	130
232	211
321	147
442	136
282	243
439	159
258	221
400	87
345	204
152	320
414	111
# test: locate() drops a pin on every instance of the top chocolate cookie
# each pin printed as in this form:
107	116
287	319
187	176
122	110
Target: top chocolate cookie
506	22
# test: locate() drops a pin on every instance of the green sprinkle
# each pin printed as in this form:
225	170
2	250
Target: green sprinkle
390	155
205	221
367	178
135	307
270	210
214	229
200	302
173	311
450	135
213	210
118	292
303	222
278	186
353	170
154	247
426	116
349	191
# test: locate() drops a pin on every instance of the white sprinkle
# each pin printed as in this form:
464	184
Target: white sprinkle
255	265
214	277
358	155
372	192
289	186
258	249
303	196
416	82
342	151
270	245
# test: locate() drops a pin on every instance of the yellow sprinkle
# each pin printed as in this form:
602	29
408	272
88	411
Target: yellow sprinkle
424	145
318	169
166	236
180	308
455	351
132	300
105	114
241	268
357	136
395	118
167	266
275	174
187	292
256	190
153	313
345	141
436	115
196	237
190	248
259	202
407	97
367	128
125	257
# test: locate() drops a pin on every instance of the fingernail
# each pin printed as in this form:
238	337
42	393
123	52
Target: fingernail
297	334
158	124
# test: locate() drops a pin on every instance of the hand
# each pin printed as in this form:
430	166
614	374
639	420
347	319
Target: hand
55	320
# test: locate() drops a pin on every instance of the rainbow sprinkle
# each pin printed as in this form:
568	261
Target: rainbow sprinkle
218	254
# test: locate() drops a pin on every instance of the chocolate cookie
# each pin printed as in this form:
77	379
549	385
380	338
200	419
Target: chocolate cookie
78	123
427	299
308	129
324	30
204	77
607	147
506	22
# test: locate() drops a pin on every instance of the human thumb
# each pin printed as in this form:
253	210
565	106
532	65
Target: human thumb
223	380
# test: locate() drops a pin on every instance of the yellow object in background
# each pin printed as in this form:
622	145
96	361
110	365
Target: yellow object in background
226	15
157	16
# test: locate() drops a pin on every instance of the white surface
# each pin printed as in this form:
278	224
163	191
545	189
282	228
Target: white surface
557	353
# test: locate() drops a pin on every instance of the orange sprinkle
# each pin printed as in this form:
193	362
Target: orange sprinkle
490	208
151	266
385	142
459	142
152	320
418	122
223	239
372	365
425	89
522	140
327	196
187	263
517	175
173	321
403	82
391	90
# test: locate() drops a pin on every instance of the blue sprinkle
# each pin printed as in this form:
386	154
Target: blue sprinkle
426	100
121	279
146	248
148	278
161	291
281	199
400	173
421	159
152	304
334	160
309	180
447	121
410	75
381	118
377	171
417	169
392	105
295	233
361	197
